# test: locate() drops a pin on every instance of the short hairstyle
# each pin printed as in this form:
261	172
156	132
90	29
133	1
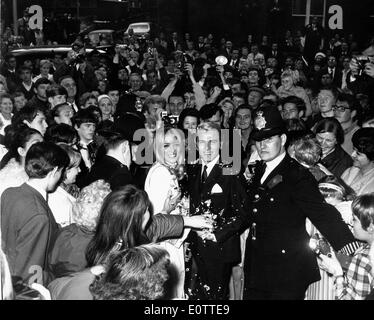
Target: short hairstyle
350	99
330	125
28	113
55	112
307	150
24	68
113	139
86	208
293	74
18	138
209	110
43	157
363	141
363	208
6	96
18	94
61	132
138	273
332	89
154	99
56	90
189	112
45	62
65	77
207	126
85	97
41	81
74	156
298	102
84	116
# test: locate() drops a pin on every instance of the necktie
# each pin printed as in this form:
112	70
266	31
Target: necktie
204	175
259	171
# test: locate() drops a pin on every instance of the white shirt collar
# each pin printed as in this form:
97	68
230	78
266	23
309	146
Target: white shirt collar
271	165
209	165
38	188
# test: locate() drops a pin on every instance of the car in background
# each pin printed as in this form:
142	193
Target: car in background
101	37
43	52
140	29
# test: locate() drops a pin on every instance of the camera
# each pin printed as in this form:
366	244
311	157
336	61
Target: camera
362	61
138	104
169	119
181	65
319	245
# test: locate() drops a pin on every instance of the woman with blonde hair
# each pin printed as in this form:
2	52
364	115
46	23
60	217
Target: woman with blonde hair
161	183
289	79
44	66
68	254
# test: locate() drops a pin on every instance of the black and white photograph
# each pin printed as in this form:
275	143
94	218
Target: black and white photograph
192	153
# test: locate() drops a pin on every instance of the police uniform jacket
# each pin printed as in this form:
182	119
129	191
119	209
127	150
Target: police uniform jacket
278	257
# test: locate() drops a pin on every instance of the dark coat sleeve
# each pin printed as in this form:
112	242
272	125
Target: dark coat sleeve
324	216
240	205
31	246
165	226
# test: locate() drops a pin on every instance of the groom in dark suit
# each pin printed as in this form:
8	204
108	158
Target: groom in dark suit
208	181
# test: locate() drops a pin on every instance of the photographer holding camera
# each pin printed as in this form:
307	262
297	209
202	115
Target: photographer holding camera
79	68
360	80
185	71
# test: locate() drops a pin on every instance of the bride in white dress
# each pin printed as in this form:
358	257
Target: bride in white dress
162	182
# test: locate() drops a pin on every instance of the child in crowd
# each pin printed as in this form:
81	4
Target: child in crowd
340	197
357	282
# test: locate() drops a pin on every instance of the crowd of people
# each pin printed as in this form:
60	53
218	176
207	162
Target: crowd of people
190	169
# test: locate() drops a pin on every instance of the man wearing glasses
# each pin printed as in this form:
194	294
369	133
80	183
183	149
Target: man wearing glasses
345	111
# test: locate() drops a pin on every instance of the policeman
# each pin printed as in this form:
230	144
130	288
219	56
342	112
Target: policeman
278	261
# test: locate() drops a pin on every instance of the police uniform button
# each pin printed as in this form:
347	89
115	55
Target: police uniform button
254	210
257	196
271	199
283	251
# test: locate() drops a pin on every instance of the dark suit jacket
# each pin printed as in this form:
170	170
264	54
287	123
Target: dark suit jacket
28	231
337	79
279	259
232	199
110	170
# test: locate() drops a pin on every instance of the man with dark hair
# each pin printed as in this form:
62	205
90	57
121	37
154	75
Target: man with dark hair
8	70
27	223
56	94
26	86
211	113
345	111
334	71
62	113
114	167
85	123
40	98
293	108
